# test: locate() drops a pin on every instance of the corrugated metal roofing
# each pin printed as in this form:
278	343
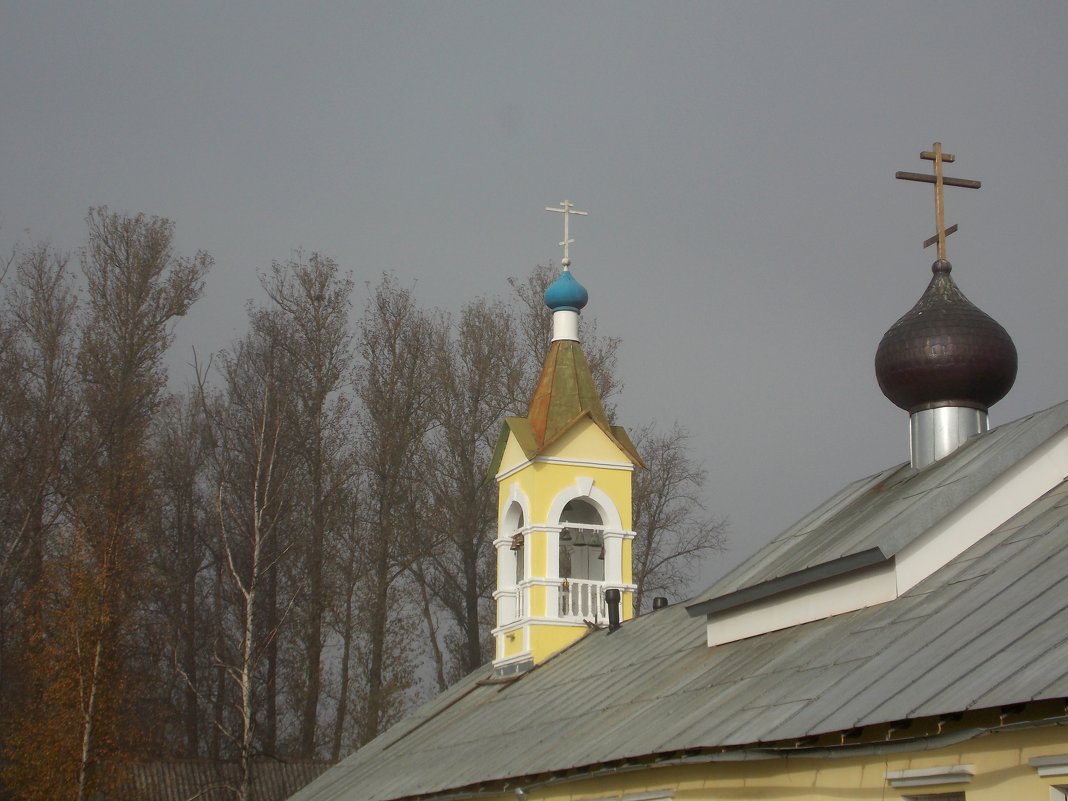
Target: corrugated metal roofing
181	780
988	629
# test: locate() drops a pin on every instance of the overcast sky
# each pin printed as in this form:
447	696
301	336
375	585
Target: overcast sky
745	238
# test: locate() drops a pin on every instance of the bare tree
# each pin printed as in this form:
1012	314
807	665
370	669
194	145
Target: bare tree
673	530
478	369
182	504
347	562
313	300
137	286
395	388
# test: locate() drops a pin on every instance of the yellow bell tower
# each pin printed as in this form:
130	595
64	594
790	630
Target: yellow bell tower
564	505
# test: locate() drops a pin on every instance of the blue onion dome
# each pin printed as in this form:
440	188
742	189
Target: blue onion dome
945	352
566	294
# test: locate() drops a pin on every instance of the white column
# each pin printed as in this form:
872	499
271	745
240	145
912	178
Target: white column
613	558
552	571
505	594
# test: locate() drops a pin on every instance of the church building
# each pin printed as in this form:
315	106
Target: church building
906	639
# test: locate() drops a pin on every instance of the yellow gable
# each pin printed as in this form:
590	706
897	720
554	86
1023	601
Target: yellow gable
513	455
586	442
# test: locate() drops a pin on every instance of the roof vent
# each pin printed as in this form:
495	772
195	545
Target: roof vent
611	599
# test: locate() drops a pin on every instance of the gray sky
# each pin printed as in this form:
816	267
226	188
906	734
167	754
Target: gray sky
746	237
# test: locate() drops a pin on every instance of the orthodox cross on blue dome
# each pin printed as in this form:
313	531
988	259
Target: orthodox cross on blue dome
940	181
567	210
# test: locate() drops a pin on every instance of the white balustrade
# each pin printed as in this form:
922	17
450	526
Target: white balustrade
583	600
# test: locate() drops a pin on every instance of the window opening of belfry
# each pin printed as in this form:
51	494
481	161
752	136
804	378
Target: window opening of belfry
515	522
581	542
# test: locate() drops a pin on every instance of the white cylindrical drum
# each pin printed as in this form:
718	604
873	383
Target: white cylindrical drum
938	432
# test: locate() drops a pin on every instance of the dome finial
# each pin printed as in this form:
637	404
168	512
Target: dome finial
567	210
566	296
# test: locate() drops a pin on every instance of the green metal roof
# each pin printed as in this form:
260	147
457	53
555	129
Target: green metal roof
564	395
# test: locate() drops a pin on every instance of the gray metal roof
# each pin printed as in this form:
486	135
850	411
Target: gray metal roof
988	629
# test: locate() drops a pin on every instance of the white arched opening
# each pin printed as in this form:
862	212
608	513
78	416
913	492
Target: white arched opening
596	497
512	557
588	536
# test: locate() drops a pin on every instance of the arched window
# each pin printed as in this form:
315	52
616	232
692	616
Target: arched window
513	521
581	545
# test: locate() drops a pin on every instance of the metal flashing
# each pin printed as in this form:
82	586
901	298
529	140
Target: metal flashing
791	581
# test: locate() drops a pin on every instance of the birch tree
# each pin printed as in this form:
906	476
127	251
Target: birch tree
252	462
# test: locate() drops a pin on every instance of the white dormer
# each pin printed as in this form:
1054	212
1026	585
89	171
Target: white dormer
881	537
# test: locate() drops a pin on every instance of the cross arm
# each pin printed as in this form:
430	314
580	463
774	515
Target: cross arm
930	179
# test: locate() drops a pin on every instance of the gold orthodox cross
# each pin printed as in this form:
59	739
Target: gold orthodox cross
567	210
940	181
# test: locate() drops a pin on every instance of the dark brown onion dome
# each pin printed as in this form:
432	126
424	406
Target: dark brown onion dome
945	352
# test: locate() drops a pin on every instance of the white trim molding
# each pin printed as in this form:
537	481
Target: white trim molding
584	463
1050	765
515	496
930	777
504	474
584	488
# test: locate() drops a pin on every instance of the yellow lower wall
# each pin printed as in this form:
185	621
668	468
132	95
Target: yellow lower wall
546	639
513	643
1002	773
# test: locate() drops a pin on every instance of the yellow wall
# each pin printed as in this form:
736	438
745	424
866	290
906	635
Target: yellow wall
1000	760
546	639
513	643
542	482
586	441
